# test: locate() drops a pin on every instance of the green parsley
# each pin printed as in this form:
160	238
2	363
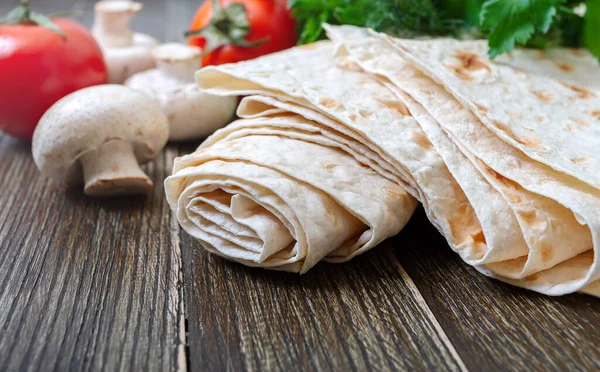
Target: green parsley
505	23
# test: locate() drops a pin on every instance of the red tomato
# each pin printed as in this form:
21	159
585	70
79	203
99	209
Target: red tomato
38	67
269	20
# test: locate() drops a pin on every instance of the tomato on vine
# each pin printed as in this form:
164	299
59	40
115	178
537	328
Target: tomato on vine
237	30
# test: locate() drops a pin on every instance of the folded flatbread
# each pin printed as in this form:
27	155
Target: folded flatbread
336	135
273	192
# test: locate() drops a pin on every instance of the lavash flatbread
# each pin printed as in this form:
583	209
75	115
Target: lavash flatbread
281	208
369	112
470	181
560	259
554	122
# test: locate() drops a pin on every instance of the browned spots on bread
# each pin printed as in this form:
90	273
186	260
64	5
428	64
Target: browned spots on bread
479	237
540	118
580	121
543	96
394	192
471	62
503	127
329	166
330	103
468	62
139	132
515	115
461	73
505	181
530	217
545	252
365	113
532	277
595	114
421	140
565	67
514	198
578	160
462	218
530	142
353	118
481	107
540	54
577	52
395	106
581	92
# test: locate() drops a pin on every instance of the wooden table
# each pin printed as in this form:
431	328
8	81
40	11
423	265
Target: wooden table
115	284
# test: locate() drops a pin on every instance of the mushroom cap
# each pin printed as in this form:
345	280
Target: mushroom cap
85	120
192	113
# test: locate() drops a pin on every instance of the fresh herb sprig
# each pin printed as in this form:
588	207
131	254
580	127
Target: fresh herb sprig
505	23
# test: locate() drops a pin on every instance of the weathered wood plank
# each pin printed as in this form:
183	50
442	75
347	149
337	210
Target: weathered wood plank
85	284
366	314
357	316
494	325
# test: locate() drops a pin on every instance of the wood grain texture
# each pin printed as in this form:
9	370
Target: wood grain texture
84	284
87	284
358	316
494	325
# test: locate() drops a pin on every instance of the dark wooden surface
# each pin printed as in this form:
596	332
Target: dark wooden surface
115	285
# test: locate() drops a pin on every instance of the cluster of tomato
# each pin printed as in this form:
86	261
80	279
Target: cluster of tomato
39	66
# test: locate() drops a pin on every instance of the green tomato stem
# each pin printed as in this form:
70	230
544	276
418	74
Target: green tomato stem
22	15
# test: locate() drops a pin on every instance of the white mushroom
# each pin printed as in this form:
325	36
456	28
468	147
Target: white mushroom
125	52
192	114
100	135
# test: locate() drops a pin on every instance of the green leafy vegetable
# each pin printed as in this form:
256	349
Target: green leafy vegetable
511	21
397	17
505	23
592	27
22	14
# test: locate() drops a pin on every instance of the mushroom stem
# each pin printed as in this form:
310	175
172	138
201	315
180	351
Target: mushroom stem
178	61
111	22
112	169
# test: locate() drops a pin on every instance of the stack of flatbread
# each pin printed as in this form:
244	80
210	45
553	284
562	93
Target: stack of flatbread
338	140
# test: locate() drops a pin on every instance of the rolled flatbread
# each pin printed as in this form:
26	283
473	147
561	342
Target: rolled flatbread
330	155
